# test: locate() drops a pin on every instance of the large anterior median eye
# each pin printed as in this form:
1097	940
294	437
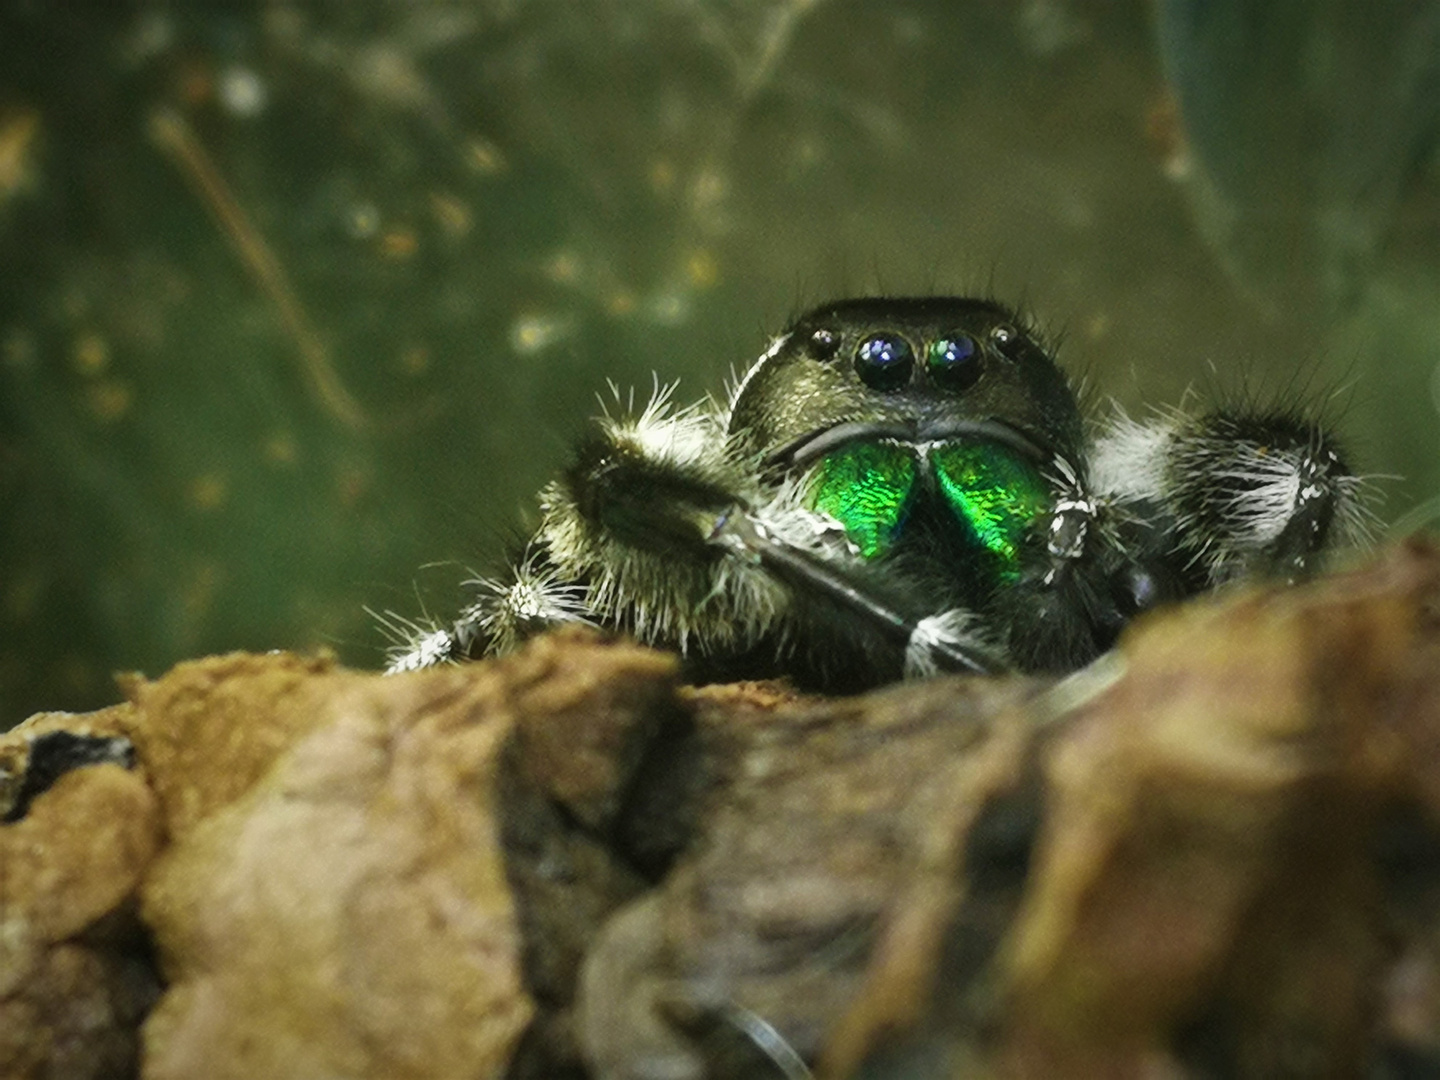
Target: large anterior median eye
883	361
954	361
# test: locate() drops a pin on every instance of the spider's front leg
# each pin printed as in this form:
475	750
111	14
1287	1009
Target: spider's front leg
683	543
946	641
1236	492
622	542
658	529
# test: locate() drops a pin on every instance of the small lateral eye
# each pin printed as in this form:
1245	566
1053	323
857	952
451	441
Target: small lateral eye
823	344
954	361
883	361
1005	338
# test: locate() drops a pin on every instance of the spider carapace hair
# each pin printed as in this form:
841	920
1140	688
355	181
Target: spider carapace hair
897	487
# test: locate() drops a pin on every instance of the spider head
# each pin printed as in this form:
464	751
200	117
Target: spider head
917	370
930	424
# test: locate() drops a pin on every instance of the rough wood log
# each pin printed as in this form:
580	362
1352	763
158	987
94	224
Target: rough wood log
1216	852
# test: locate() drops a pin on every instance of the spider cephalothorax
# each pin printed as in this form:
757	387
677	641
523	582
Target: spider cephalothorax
903	486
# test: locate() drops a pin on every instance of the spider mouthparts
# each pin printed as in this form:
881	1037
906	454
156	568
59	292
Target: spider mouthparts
915	432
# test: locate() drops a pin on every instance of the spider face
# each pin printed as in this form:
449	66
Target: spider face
903	486
935	417
920	370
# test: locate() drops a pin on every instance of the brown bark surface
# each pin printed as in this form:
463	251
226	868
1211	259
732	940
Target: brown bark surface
1216	852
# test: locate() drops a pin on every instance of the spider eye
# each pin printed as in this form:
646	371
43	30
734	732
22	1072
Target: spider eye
1006	339
883	361
823	344
954	361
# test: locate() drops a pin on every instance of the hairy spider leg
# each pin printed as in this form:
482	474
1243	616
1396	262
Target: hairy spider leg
932	643
1241	492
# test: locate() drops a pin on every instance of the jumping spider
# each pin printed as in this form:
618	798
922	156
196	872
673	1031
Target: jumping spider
897	487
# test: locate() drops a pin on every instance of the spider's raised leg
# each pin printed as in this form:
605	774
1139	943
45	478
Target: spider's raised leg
947	641
658	530
622	542
1236	493
682	544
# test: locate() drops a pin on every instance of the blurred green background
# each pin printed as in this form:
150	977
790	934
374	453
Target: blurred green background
300	302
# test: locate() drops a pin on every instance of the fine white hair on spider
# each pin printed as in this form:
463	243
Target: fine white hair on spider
935	635
680	435
898	487
1129	458
1235	494
415	644
738	384
534	596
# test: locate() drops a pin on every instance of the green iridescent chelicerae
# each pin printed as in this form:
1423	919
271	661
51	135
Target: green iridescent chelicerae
898	487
